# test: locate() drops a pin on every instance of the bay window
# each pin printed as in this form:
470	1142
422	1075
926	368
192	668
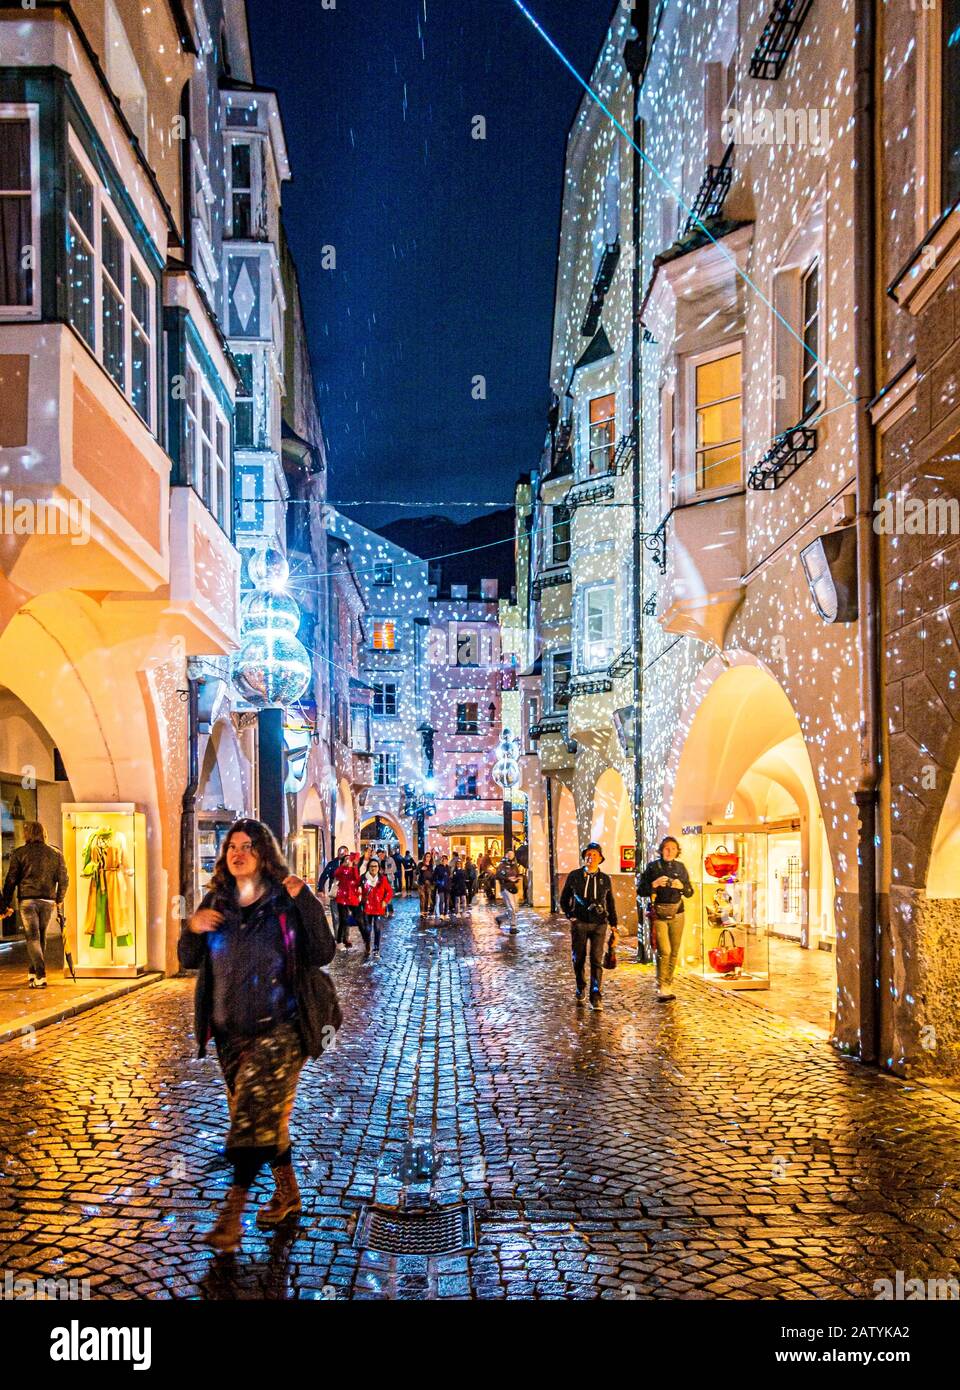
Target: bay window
111	298
19	212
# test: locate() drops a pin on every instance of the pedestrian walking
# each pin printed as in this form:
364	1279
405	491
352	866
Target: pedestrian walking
327	883
441	882
486	878
347	880
587	899
425	883
458	888
666	882
523	859
510	878
409	871
246	939
37	875
470	871
376	896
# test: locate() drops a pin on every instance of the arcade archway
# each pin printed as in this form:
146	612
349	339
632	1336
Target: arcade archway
744	804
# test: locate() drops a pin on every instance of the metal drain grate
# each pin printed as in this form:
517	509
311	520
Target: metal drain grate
433	1231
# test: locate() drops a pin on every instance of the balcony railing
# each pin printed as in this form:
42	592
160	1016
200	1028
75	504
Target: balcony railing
549	724
712	193
779	35
550	579
621	665
601	283
624	456
596	489
788	451
592	684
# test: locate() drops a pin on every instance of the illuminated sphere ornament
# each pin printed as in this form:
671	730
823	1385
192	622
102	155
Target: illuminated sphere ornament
506	770
272	666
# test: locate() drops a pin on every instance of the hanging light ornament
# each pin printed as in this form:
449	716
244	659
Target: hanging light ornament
272	666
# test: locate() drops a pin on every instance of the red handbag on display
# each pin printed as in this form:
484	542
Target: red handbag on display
722	863
724	959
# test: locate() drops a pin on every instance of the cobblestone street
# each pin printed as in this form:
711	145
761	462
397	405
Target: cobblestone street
701	1150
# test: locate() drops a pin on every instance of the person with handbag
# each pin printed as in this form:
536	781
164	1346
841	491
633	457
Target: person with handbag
259	940
666	883
377	895
587	899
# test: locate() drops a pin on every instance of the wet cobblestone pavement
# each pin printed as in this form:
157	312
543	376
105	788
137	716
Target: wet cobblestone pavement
700	1150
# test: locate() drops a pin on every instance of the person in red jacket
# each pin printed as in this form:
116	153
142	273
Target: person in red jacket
347	879
376	897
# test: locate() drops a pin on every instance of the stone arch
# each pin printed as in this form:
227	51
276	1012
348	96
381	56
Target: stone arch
400	834
222	783
612	824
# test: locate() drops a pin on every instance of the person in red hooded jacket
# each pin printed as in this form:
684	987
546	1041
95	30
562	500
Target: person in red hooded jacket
347	879
376	896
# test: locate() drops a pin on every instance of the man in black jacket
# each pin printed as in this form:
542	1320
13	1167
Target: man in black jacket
326	884
38	872
587	899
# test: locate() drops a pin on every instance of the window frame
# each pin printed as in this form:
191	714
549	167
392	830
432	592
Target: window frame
589	426
586	643
459	781
808	369
380	688
556	559
104	206
379	583
382	761
381	623
552	658
688	489
465	731
220	465
253	139
29	111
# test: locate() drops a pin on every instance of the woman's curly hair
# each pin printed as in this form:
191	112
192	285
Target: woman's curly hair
273	866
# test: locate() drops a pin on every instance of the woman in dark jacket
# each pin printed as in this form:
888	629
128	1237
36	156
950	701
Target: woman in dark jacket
245	937
666	882
425	876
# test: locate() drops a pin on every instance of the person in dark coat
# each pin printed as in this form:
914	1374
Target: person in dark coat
666	882
425	878
252	926
471	874
441	883
327	883
587	899
458	888
37	873
409	871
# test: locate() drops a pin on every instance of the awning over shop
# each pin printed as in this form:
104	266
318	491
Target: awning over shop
480	823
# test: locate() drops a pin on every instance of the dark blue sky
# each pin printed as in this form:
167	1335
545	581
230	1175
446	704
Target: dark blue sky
446	246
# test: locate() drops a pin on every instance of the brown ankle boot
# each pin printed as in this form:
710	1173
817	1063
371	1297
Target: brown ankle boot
285	1200
226	1234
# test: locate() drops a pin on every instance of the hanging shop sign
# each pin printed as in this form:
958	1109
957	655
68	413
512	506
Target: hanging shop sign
105	846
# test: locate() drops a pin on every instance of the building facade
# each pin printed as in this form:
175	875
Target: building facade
141	386
393	664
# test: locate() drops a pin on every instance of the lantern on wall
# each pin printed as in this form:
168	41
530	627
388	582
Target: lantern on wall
272	666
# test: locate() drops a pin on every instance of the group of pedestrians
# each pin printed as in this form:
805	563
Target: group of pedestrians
360	889
447	886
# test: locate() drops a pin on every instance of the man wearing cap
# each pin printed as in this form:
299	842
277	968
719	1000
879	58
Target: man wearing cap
587	899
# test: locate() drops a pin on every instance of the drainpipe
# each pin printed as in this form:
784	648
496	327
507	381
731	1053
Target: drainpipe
554	905
867	793
635	56
188	812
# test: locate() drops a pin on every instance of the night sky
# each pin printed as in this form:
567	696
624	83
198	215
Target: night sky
446	246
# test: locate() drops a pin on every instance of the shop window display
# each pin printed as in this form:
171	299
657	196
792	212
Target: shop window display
105	849
729	913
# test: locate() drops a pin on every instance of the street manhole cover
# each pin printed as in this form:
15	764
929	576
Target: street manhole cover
431	1232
